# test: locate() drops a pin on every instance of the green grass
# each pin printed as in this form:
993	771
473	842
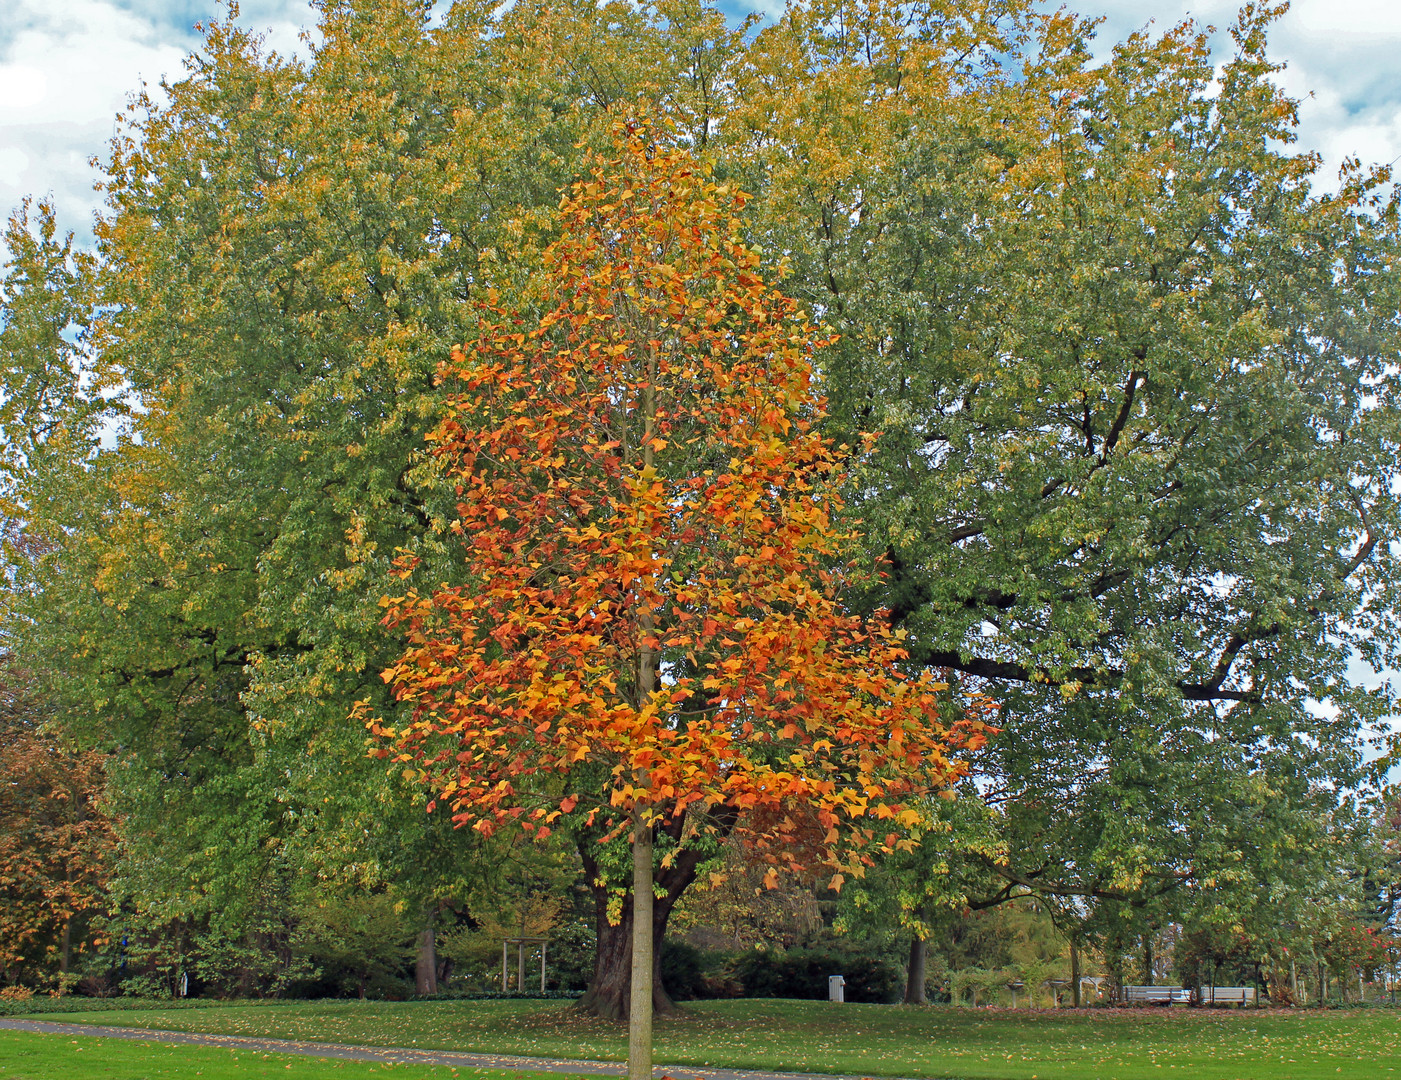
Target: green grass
26	1056
874	1040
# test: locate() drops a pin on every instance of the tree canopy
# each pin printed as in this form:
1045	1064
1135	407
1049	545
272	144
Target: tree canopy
649	625
1129	360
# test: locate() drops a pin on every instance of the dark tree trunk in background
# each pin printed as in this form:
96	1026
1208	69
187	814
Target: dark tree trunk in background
611	985
914	981
426	966
1075	969
1114	962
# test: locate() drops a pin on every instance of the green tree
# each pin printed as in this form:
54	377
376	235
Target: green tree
288	249
54	394
1137	470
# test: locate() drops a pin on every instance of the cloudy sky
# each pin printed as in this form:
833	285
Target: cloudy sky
66	67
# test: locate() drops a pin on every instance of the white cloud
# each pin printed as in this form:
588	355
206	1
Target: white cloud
65	71
67	68
1339	58
22	86
13	164
1344	19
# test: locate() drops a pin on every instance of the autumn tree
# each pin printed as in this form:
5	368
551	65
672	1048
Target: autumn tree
651	627
57	843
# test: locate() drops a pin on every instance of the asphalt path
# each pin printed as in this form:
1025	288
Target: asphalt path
399	1055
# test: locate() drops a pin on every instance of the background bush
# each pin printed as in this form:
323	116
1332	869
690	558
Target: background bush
803	973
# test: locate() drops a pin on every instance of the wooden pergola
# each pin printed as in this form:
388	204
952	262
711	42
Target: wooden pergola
520	943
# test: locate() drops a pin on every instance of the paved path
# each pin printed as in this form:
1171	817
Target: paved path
398	1055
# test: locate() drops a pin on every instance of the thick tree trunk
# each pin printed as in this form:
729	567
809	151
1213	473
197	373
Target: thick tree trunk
610	990
426	966
914	981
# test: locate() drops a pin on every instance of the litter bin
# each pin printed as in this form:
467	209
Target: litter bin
836	988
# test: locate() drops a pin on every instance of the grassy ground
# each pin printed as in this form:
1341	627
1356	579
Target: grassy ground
874	1040
24	1056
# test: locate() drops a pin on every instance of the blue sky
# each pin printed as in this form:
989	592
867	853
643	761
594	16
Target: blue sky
67	65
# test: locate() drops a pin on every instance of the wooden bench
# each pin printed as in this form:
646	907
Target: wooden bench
1229	995
1156	995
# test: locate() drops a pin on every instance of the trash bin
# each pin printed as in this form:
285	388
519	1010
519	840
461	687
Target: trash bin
836	988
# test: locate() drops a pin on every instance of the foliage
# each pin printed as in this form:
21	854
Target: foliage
928	886
1350	949
55	397
682	970
1215	955
572	948
362	943
645	507
284	256
1133	373
57	842
1134	383
651	632
731	908
1383	877
803	973
288	248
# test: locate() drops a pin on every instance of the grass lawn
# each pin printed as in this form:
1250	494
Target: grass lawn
874	1040
26	1056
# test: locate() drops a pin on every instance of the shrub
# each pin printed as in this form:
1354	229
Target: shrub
803	973
681	971
571	956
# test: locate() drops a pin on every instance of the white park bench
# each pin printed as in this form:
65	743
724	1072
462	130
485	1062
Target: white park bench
1228	995
1156	995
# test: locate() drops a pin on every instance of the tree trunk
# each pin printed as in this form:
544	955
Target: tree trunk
644	957
610	990
426	966
1114	961
914	981
1075	971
